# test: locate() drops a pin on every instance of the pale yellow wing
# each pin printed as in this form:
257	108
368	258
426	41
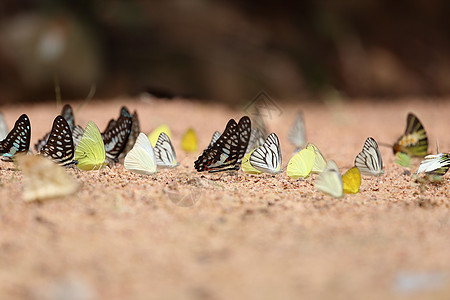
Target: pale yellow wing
301	163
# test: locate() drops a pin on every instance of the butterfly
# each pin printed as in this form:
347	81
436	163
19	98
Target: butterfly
67	114
256	140
115	138
351	181
165	153
437	164
141	158
225	154
246	166
267	158
18	139
319	161
59	146
330	181
135	131
154	135
43	179
90	153
3	127
297	135
214	138
301	163
189	141
369	160
414	141
77	134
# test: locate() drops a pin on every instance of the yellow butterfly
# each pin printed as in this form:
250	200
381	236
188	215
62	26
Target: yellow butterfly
301	164
246	166
319	162
351	181
189	141
90	153
414	141
154	135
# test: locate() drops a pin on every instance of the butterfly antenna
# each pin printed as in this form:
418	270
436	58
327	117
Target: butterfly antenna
385	144
57	91
88	98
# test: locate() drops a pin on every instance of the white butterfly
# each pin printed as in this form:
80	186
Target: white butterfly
369	160
141	158
165	153
330	181
267	158
437	164
3	128
297	135
214	138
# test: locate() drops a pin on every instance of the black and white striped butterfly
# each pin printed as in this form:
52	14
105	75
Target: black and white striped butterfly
369	161
77	134
3	127
18	139
67	114
165	153
437	164
297	135
267	158
225	153
116	137
59	147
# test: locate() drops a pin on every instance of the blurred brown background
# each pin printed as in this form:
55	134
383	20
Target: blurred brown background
223	50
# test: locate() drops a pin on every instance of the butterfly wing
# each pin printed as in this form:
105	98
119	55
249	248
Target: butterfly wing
18	139
351	181
369	161
319	161
225	154
165	153
189	141
297	135
59	146
301	163
246	166
330	181
214	138
90	152
256	140
414	141
77	134
267	158
141	158
435	164
135	131
3	127
67	114
116	138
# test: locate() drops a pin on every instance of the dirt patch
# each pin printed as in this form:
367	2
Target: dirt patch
121	236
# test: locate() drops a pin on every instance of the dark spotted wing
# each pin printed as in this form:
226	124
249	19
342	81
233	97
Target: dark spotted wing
18	139
67	114
226	153
124	112
135	130
59	146
116	138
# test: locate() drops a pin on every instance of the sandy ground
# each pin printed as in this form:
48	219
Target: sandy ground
127	236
